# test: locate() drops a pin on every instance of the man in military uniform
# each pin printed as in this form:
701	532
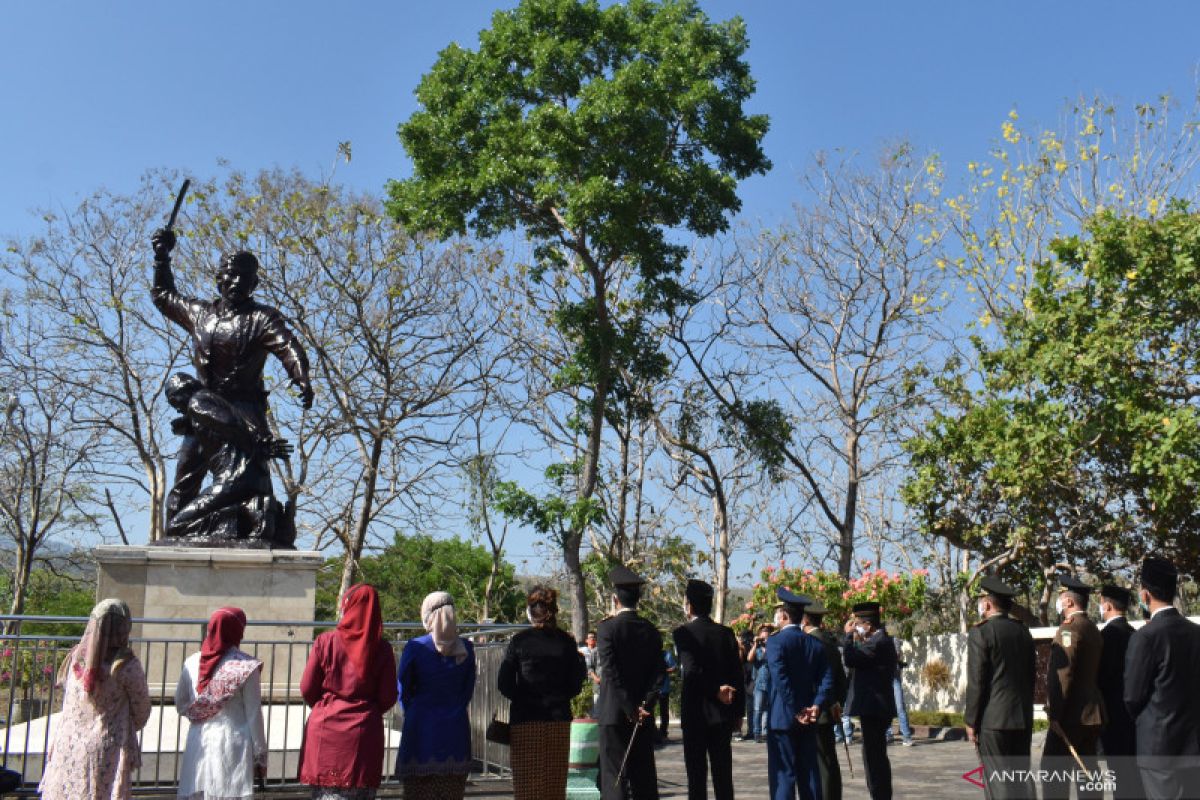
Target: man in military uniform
869	651
1162	687
1001	670
827	755
1073	705
631	663
711	703
801	688
1118	739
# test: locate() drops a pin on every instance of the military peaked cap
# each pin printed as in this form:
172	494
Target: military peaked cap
1072	584
996	587
620	575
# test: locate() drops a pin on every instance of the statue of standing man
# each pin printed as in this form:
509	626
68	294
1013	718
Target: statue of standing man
224	422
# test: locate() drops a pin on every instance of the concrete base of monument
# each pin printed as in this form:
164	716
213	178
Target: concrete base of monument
173	590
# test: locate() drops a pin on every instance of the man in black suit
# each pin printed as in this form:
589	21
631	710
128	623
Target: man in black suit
827	755
710	702
1162	687
632	667
870	652
1118	738
1001	670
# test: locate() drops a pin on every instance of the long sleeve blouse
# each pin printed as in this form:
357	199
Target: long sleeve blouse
541	672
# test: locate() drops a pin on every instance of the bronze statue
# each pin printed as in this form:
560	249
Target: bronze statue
224	422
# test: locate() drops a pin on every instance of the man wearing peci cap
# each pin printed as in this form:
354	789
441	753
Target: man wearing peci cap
1162	687
1001	670
631	663
1073	705
711	704
801	687
870	652
1118	739
827	756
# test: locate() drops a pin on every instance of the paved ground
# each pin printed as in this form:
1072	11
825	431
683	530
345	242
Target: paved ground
929	770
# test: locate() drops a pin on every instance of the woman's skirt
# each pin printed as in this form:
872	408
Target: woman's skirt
435	787
538	757
334	793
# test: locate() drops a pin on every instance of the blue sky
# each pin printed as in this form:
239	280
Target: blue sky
94	94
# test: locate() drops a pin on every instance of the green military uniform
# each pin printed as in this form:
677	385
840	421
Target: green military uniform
827	755
1073	699
1001	669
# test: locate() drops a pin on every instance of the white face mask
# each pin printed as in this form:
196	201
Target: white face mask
1058	605
861	630
528	615
981	608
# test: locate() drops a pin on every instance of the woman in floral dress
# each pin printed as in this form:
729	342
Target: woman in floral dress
220	693
94	748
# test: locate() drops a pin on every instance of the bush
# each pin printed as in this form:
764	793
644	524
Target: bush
936	675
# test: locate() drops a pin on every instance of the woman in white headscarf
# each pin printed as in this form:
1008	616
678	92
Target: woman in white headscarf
105	703
436	679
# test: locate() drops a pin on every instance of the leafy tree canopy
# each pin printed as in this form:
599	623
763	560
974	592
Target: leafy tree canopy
1083	443
413	566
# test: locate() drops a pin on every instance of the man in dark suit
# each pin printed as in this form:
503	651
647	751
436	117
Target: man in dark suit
1001	670
1162	687
631	663
1118	738
827	755
870	652
801	685
710	701
1073	705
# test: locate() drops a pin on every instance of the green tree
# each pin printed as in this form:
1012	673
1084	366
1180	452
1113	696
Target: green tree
1082	445
413	566
596	131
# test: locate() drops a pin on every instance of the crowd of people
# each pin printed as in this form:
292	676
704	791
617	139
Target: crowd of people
1133	695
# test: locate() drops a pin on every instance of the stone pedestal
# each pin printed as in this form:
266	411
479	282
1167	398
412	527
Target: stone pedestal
175	589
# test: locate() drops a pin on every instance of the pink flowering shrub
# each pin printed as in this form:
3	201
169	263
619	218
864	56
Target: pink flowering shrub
901	595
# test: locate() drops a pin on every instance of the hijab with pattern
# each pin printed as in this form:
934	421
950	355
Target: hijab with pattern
225	630
105	642
437	614
361	626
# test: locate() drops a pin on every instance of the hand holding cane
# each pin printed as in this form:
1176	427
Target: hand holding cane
1058	729
629	747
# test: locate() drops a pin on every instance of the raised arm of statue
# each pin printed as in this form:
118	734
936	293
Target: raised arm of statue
162	292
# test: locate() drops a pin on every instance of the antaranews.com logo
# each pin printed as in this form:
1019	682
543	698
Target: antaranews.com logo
1100	780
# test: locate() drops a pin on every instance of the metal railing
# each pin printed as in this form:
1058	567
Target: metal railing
30	700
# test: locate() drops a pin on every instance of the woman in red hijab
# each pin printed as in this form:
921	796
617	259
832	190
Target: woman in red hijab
350	682
220	694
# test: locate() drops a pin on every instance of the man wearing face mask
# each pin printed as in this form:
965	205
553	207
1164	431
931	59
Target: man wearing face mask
827	755
801	687
1162	687
1118	739
870	652
1073	704
1001	670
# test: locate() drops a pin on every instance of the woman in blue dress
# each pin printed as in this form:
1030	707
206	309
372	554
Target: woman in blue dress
436	680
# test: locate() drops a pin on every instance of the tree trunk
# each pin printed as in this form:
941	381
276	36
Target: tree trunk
22	567
579	609
846	531
723	548
587	487
354	547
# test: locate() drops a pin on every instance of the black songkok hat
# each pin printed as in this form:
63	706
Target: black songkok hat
868	609
698	592
1160	575
997	588
1118	593
815	609
1072	584
620	575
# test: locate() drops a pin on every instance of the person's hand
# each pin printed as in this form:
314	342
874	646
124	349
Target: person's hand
643	715
972	737
850	624
725	694
260	772
306	395
809	715
835	712
163	242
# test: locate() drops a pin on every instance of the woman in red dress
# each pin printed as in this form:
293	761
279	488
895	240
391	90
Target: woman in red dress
349	682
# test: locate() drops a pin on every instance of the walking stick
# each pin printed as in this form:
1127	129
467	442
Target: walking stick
849	761
629	747
1054	726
